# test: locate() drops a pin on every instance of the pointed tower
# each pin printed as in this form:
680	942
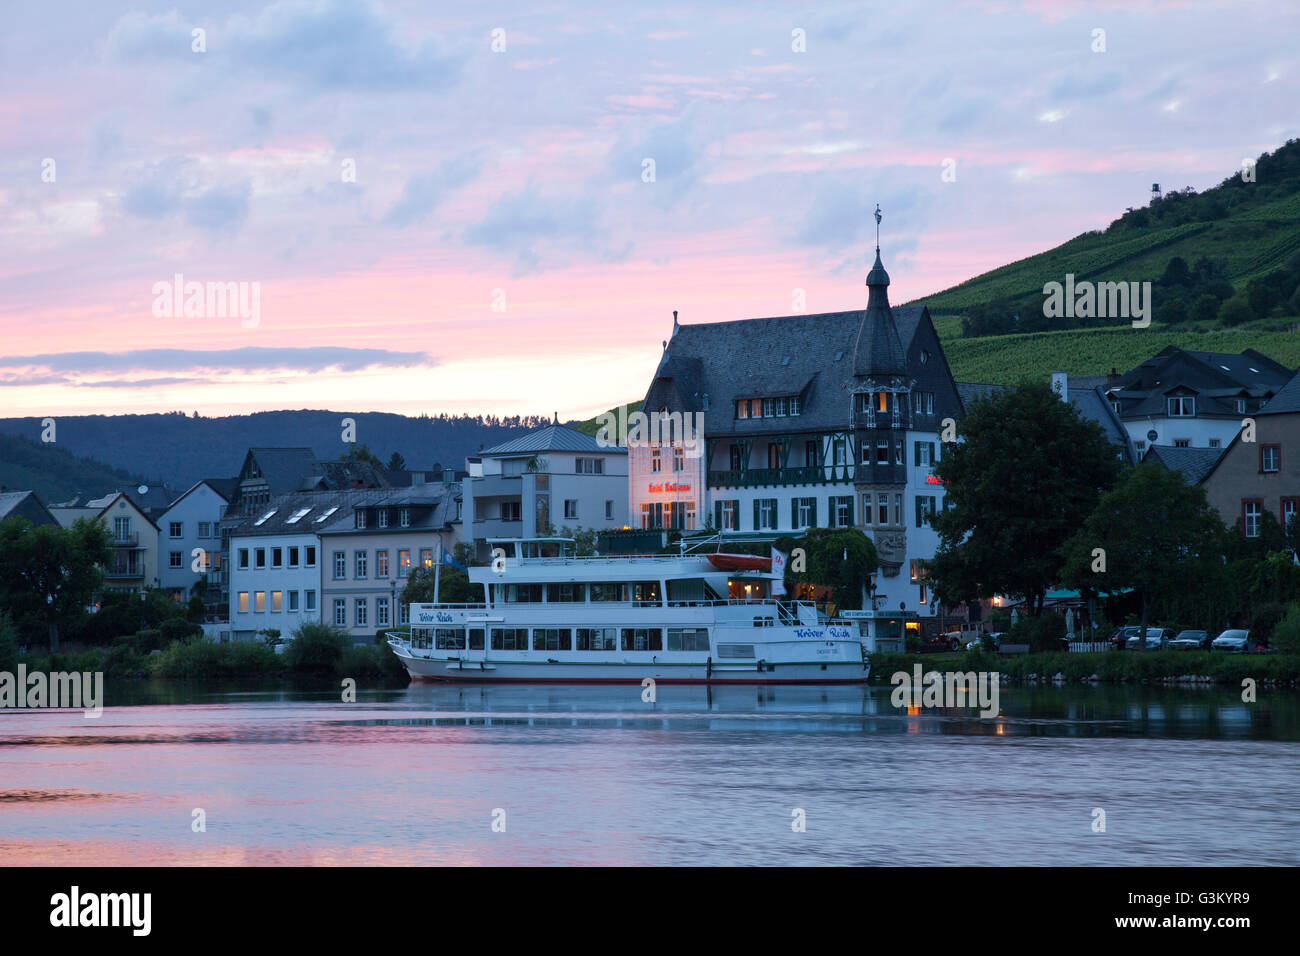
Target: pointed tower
881	415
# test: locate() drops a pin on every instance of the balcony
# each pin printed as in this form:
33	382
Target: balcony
125	539
758	477
121	574
498	528
496	486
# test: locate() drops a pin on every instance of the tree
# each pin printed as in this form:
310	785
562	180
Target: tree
837	558
454	587
1027	473
396	462
1157	535
1176	273
1236	311
49	574
361	453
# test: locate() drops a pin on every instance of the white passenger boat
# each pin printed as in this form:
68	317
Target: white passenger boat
686	619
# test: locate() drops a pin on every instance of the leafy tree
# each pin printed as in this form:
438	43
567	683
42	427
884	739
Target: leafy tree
1236	311
1158	535
454	587
49	574
316	649
396	462
361	453
1028	472
841	559
1176	273
1205	308
584	539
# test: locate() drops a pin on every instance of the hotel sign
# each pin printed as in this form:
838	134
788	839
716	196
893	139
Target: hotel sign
933	480
667	486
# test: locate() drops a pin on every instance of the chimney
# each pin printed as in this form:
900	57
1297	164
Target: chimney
1114	374
448	475
1147	376
1061	385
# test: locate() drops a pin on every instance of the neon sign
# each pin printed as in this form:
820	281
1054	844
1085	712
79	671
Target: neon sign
933	480
668	486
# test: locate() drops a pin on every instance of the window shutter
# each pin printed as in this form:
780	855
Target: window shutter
849	501
918	511
932	458
717	515
812	514
755	514
916	453
794	512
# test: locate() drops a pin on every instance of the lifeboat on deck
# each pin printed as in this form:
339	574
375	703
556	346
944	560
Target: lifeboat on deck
739	562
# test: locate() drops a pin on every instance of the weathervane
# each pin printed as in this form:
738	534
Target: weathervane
877	227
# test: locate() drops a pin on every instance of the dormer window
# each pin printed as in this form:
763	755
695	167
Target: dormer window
1181	406
360	518
1241	406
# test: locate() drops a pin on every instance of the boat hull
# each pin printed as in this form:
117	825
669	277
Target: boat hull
563	672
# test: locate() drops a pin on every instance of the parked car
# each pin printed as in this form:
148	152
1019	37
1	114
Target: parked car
1120	638
1190	640
1157	637
976	643
1233	640
942	642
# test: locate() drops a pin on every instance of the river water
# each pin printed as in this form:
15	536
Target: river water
444	774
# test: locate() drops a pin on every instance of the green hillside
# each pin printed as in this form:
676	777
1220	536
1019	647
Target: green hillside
55	474
1237	246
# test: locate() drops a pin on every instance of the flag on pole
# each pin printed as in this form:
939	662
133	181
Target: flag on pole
448	559
778	568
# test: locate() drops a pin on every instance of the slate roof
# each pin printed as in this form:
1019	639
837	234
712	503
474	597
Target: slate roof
284	507
440	495
1285	401
284	468
878	350
550	438
807	355
1090	402
1193	463
16	502
1218	379
969	391
223	486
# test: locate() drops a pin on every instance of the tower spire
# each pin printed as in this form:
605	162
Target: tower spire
877	230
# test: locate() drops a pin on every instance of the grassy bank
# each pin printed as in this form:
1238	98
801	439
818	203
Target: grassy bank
202	660
1111	667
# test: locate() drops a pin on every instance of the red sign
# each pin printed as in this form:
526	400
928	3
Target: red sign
668	486
933	480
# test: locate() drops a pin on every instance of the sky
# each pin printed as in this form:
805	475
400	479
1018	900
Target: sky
495	207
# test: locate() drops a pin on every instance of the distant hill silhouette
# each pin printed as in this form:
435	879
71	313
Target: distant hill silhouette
181	449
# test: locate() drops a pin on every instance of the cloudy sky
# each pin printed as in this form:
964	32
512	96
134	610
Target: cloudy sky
495	207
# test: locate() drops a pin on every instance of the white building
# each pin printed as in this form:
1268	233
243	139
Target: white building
191	524
553	478
828	420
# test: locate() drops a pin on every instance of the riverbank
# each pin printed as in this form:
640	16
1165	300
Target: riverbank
1188	668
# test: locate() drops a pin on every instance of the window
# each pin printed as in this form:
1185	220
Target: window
174	559
654	461
263	519
898	510
882	509
403	613
742	408
803	512
259	558
403	563
727	515
293	557
1182	443
359	518
341	612
1270	458
841	455
205	529
449	639
1214	443
764	513
1241	406
1289	509
309	600
1250	512
924	508
551	639
882	451
340	565
923	402
842	511
243	602
1182	406
570	507
382	517
509	638
811	454
259	601
609	509
794	405
924	452
277	557
174	529
688	639
381	564
293	600
277	601
596	639
296	516
781	406
404	517
381	612
589	466
361	608
882	401
643	639
510	511
769	408
679	458
736	459
326	513
360	559
311	556
426	558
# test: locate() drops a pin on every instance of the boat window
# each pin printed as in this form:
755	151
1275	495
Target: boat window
597	639
735	650
476	638
450	638
509	638
523	593
688	639
643	639
609	591
645	592
764	622
421	638
551	639
564	593
686	590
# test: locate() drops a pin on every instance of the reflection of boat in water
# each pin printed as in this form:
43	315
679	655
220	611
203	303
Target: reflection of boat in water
672	618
